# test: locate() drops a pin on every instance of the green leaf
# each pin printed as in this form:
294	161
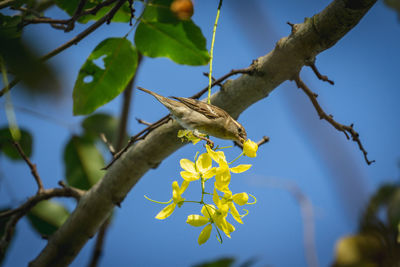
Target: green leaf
83	162
393	210
47	216
221	262
7	147
95	85
69	6
99	123
10	26
182	42
159	11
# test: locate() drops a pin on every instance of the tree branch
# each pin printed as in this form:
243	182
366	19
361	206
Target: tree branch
283	63
329	118
74	40
22	210
31	166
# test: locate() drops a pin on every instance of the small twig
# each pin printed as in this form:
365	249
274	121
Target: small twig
143	122
23	209
108	144
247	70
78	11
318	74
74	40
139	136
264	139
98	248
329	118
32	166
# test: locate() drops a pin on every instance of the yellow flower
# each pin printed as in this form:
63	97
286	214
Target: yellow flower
196	220
240	199
189	136
250	148
222	212
193	171
177	200
223	172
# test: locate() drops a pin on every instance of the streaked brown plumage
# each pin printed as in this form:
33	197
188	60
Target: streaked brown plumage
199	116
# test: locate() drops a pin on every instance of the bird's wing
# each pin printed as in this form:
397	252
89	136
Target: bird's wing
210	111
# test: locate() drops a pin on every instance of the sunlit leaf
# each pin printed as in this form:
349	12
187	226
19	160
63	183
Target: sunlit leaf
7	147
83	162
182	42
47	216
97	85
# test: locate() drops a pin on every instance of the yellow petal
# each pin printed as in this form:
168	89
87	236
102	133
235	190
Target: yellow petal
216	198
235	213
223	177
210	173
187	165
223	187
203	163
250	148
166	212
205	234
197	220
184	186
182	133
241	198
208	210
240	168
216	156
189	176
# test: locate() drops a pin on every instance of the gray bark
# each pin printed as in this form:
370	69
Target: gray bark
291	53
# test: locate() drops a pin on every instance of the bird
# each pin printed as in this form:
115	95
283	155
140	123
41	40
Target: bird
201	117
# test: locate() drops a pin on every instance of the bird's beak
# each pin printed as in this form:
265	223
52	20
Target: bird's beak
241	140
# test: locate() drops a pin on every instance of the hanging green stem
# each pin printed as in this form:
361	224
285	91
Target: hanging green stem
12	120
212	51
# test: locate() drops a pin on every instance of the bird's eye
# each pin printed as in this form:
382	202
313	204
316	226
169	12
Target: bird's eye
239	130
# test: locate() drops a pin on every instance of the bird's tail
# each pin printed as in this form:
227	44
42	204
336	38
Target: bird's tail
168	103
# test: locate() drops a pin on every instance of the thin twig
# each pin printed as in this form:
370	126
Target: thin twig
108	144
32	166
139	136
264	140
23	209
319	75
78	11
329	118
98	248
74	40
247	70
143	122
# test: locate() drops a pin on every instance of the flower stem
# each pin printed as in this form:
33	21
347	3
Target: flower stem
158	202
236	158
212	51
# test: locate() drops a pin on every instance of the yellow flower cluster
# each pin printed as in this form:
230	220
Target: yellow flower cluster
202	169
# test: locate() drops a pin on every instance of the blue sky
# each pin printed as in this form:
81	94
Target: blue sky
303	152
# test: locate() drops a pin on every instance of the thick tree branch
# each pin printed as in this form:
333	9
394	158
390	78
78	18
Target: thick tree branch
283	63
